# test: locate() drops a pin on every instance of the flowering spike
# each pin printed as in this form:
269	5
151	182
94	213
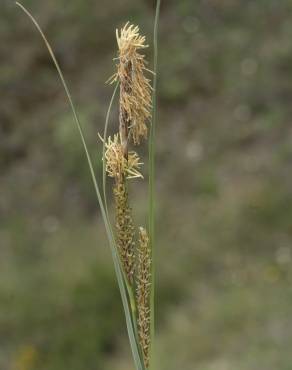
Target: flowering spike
117	166
135	88
143	282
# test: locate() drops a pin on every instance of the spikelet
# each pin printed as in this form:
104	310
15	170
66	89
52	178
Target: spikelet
120	168
117	166
143	283
135	88
125	229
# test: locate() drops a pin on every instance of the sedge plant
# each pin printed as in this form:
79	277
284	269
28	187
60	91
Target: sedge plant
132	250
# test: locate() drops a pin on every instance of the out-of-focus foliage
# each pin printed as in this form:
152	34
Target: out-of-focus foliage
224	182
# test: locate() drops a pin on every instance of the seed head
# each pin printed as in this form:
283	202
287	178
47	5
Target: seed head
125	229
135	88
117	166
143	282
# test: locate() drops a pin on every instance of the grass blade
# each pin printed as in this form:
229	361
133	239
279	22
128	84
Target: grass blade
103	149
135	350
151	209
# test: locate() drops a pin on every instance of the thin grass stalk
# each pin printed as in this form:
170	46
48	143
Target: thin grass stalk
130	292
151	210
121	280
104	177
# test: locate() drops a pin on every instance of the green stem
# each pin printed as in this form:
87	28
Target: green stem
151	181
103	149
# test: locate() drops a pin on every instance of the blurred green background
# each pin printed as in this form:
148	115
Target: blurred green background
224	187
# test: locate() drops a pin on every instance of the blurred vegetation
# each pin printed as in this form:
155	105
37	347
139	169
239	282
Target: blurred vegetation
224	182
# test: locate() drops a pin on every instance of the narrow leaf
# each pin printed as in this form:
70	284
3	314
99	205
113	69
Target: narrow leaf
135	351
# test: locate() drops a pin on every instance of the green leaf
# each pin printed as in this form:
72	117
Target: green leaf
151	185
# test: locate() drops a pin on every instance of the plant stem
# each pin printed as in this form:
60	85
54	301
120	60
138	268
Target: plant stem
103	149
151	181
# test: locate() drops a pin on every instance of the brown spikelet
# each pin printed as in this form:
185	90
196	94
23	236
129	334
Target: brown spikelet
124	229
120	168
143	282
135	88
117	166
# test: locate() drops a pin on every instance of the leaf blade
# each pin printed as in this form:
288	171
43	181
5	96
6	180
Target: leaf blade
134	346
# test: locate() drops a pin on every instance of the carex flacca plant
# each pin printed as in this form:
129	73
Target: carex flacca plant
132	249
